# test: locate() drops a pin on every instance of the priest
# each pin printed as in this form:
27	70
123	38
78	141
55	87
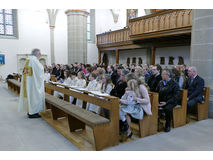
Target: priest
32	96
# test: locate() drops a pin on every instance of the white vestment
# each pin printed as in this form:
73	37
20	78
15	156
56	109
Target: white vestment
32	95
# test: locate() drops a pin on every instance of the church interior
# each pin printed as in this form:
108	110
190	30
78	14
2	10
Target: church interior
143	37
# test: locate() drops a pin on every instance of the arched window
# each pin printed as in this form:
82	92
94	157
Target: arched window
128	61
134	60
91	25
140	61
162	60
180	60
8	23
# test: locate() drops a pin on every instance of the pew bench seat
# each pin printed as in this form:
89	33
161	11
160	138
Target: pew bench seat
78	118
83	115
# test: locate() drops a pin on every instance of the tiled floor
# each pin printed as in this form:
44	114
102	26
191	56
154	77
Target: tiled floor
18	133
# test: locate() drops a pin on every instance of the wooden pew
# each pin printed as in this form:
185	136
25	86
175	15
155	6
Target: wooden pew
202	109
17	76
105	133
149	124
179	112
53	78
14	86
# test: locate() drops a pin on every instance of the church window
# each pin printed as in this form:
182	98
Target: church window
8	24
91	26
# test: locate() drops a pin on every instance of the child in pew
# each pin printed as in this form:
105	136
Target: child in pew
106	87
99	81
81	83
74	79
93	86
47	75
132	103
65	81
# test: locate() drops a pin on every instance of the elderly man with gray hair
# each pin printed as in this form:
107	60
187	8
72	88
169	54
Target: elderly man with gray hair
194	85
32	98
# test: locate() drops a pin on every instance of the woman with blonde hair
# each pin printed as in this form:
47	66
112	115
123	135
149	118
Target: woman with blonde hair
139	73
134	102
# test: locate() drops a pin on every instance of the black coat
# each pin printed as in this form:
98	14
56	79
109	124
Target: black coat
119	89
53	71
114	77
153	82
168	93
195	88
57	72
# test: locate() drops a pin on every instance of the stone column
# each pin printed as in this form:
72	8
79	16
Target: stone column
77	36
201	54
52	13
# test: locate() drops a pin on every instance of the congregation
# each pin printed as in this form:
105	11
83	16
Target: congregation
131	84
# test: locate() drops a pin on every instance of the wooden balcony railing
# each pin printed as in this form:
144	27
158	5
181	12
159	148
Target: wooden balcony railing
166	23
117	36
163	21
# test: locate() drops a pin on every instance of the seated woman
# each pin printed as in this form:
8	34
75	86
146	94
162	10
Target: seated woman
180	79
139	73
65	81
107	84
74	79
46	75
133	103
169	92
93	86
81	83
106	87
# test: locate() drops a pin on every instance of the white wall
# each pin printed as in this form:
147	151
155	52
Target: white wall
92	53
104	22
183	51
33	32
142	53
61	48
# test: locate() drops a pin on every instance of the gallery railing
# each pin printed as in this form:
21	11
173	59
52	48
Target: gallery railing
113	37
167	22
163	21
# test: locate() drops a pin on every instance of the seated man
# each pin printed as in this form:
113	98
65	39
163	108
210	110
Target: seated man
194	85
169	92
155	78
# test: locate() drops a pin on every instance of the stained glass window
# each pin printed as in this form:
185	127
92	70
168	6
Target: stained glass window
6	22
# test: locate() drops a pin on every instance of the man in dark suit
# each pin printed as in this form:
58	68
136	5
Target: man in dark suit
169	92
155	78
194	85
